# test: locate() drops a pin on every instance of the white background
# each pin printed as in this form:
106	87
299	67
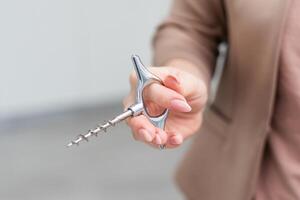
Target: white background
57	54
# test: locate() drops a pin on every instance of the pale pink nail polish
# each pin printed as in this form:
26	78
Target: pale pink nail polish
181	105
175	140
157	140
163	136
174	79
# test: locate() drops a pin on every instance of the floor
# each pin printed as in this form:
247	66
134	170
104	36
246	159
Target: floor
35	164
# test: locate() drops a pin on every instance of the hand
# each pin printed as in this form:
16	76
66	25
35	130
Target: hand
183	93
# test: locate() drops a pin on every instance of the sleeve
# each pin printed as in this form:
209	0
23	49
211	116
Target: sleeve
192	31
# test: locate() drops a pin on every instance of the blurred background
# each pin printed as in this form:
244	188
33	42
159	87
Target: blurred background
64	68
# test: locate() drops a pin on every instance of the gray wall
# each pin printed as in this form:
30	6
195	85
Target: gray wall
57	54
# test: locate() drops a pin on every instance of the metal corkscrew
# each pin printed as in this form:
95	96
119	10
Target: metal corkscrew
145	77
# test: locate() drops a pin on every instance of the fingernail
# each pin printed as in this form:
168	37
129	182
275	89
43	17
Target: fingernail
157	140
163	136
174	79
181	105
176	140
145	134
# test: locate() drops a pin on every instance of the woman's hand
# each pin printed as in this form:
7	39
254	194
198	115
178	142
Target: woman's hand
183	93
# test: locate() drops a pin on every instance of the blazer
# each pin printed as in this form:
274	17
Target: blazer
224	159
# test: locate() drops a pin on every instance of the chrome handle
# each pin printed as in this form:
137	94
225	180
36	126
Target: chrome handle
145	77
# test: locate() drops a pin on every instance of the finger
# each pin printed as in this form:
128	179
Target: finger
174	140
173	83
160	137
166	98
157	140
142	129
183	82
144	135
188	83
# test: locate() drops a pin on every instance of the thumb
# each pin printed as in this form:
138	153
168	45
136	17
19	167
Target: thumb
173	83
166	97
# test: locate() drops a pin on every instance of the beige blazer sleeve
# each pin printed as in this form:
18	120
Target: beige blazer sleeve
192	31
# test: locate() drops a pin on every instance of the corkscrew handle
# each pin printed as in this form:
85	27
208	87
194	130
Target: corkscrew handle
145	77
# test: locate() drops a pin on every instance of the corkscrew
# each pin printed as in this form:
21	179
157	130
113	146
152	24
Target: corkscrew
145	77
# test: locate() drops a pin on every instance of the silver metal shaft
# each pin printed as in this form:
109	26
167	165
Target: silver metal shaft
103	127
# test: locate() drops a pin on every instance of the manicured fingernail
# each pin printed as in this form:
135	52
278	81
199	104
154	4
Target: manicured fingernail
145	135
181	105
157	140
176	140
163	136
173	79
